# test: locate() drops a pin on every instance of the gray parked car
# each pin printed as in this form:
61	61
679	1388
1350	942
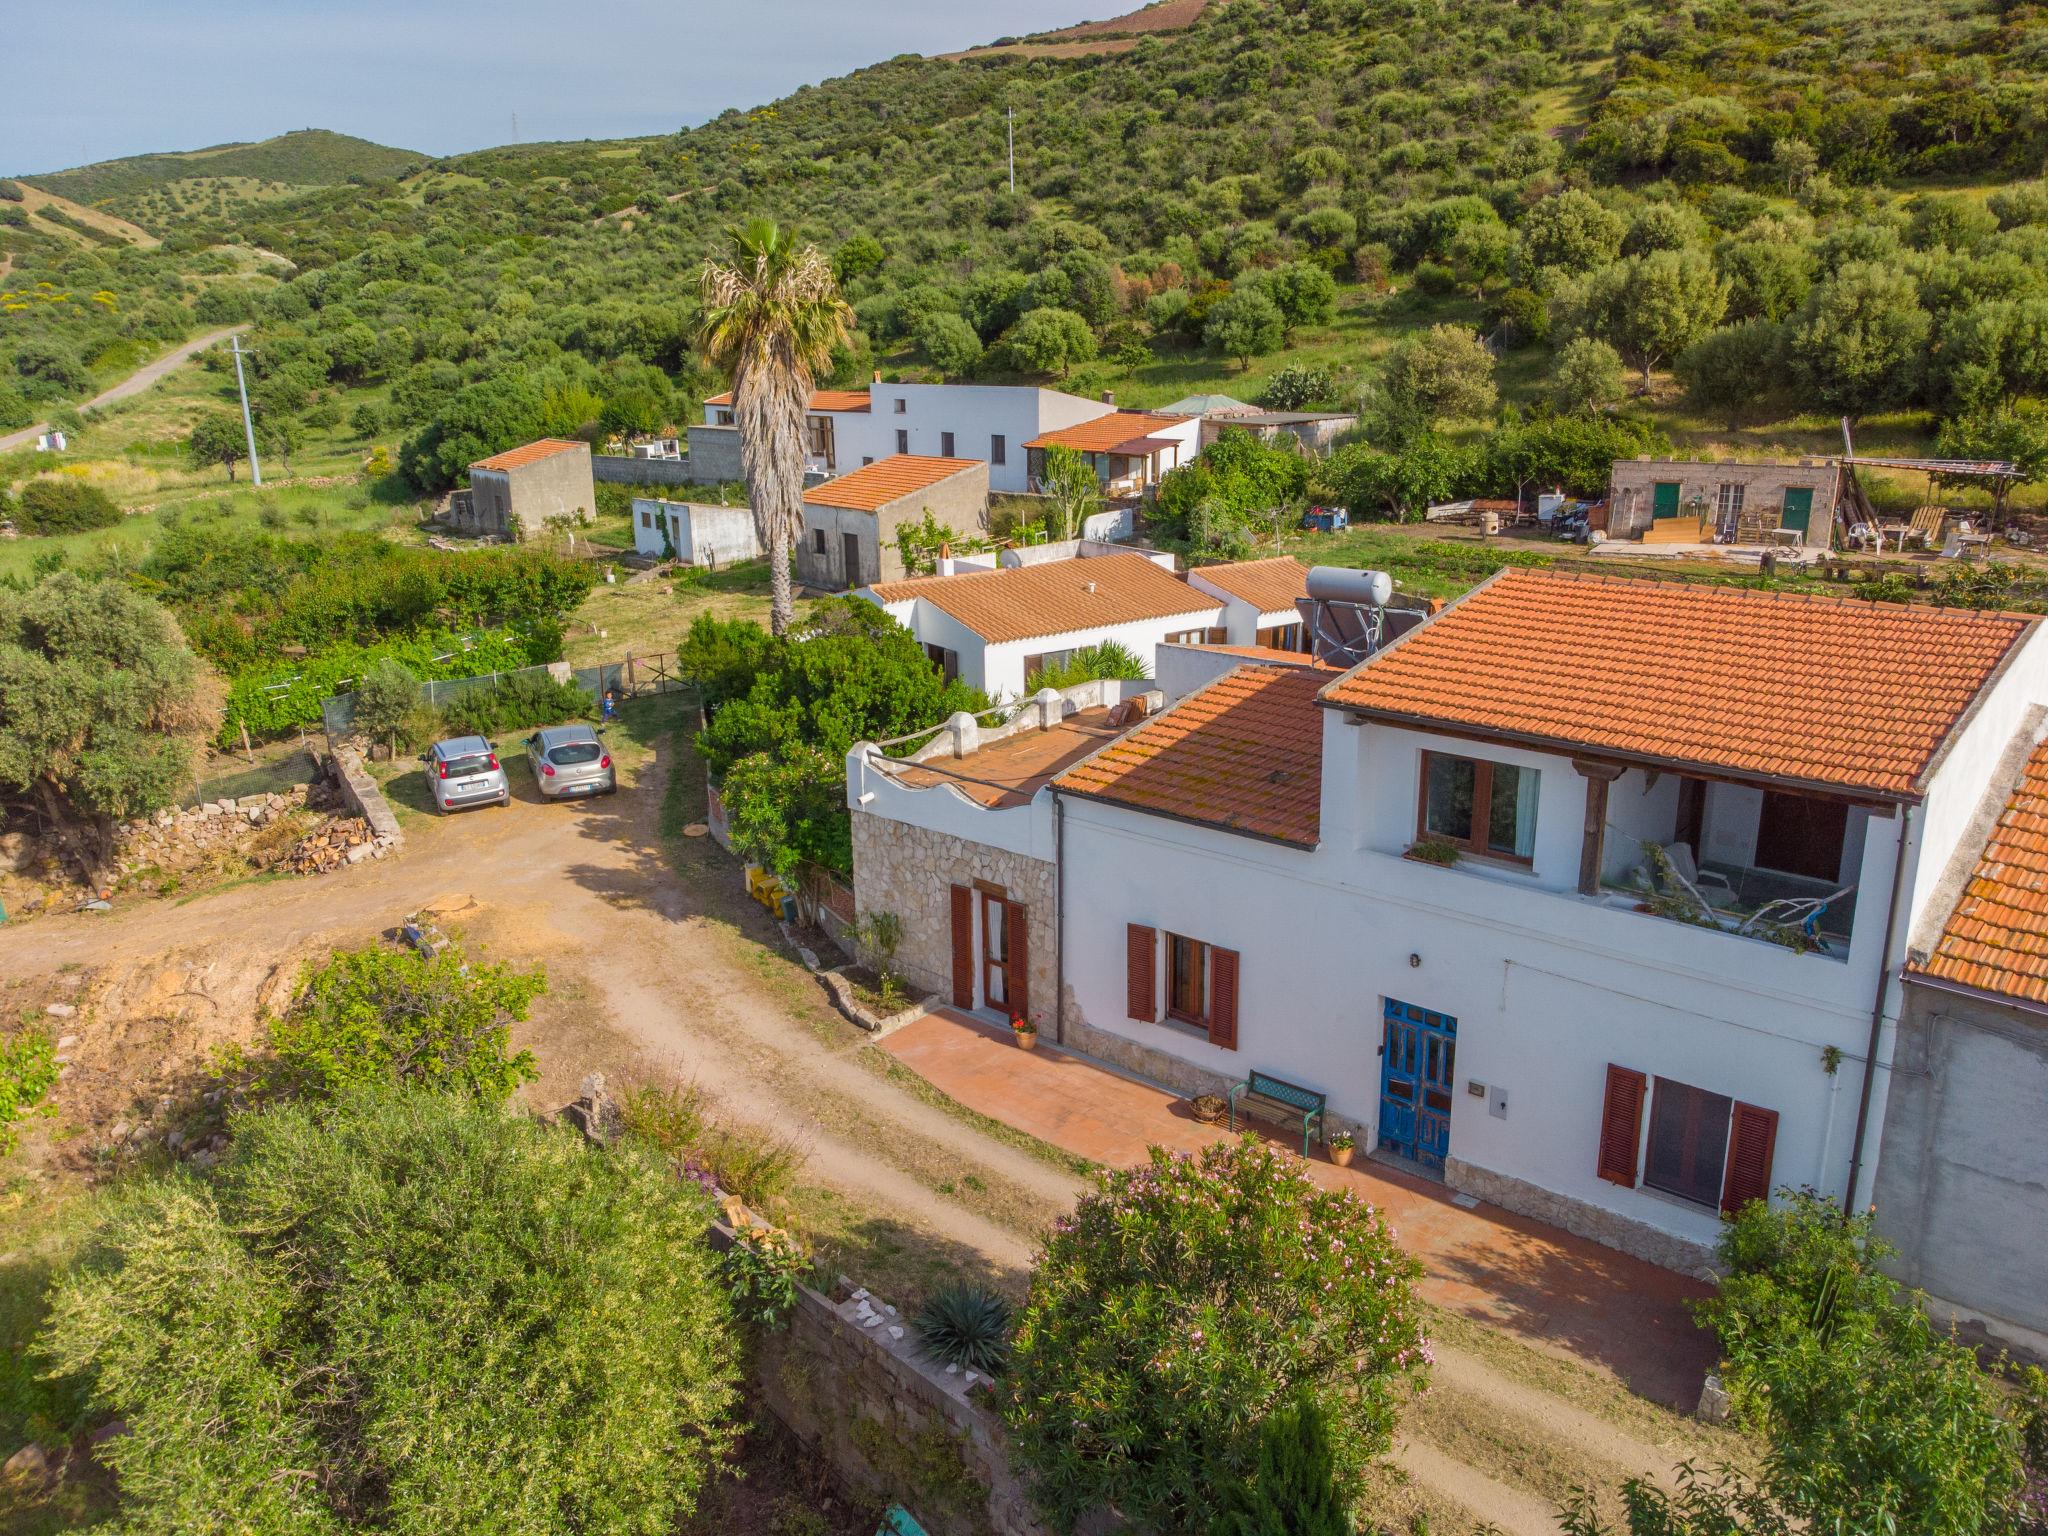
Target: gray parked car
569	761
464	771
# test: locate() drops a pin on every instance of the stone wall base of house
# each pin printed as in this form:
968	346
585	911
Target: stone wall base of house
1169	1071
1630	1236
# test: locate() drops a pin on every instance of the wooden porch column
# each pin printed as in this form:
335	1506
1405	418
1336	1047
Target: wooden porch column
1597	776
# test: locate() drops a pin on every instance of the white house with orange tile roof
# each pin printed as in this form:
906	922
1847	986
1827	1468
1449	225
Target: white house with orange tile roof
1130	450
996	630
1259	598
848	428
851	522
1599	903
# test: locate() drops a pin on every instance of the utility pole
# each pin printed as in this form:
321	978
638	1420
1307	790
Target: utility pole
1013	150
515	127
248	427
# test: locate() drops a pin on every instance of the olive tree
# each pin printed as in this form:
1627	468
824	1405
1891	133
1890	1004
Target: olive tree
1860	340
1049	340
101	702
1587	376
1651	308
1445	372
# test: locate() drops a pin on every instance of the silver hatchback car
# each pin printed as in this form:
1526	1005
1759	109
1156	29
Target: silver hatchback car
569	762
464	771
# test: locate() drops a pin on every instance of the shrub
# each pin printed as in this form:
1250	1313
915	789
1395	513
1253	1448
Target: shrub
518	702
1293	1489
1298	387
1167	1320
762	1270
1875	1419
385	701
966	1326
64	505
28	1070
371	1018
1089	664
405	1312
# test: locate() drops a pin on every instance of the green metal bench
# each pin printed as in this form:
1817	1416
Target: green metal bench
1273	1098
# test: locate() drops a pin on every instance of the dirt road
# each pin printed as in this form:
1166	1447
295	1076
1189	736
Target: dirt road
661	970
134	384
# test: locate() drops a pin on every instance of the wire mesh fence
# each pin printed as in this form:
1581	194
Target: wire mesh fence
632	677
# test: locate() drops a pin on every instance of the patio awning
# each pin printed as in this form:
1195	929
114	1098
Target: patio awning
1143	445
1982	469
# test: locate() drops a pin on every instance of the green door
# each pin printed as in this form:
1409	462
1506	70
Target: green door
1798	507
1665	502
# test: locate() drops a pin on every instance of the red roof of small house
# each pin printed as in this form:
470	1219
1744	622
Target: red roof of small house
1268	585
1996	939
874	486
1118	432
1244	753
821	400
1060	597
1825	692
531	453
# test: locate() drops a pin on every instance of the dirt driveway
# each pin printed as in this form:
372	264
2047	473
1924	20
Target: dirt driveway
659	966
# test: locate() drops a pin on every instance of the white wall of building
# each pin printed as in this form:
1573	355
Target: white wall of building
699	534
998	670
975	414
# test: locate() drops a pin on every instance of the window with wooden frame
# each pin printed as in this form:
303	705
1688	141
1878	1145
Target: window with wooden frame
1187	980
1704	1148
1189	637
817	541
1728	501
1486	808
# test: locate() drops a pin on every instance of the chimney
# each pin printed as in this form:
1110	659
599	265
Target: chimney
1109	397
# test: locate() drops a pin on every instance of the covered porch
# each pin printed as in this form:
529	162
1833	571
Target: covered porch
1769	862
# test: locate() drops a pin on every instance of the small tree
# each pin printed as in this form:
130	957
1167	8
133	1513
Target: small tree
1653	307
1050	341
1297	387
405	1312
1073	493
383	700
217	438
1859	342
1482	254
1180	1306
61	504
1588	376
1245	323
1571	231
1733	367
1444	373
949	341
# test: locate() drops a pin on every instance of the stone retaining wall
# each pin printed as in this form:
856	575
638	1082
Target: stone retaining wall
366	800
851	1382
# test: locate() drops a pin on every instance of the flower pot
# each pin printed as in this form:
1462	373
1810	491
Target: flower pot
1028	1041
1342	1156
1207	1108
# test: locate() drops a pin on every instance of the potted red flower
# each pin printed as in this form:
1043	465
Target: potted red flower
1025	1033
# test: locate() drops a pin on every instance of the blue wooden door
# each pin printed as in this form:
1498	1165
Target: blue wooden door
1418	1063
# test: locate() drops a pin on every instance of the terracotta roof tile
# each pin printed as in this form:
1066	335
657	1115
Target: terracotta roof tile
1270	586
1106	434
821	400
1831	691
875	485
530	453
1997	937
1060	597
1272	655
1244	753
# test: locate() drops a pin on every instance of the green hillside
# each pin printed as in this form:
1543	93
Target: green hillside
152	189
1769	214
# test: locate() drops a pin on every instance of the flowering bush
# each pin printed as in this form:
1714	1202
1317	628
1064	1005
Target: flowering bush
1184	1302
762	1269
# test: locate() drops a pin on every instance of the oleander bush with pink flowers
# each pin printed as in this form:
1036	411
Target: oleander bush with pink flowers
1182	1303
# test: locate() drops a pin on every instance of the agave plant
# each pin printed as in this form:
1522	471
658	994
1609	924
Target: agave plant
966	1326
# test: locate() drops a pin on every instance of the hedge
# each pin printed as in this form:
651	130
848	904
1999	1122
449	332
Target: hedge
273	700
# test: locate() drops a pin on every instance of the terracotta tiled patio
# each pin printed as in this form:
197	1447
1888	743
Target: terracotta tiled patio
1559	1292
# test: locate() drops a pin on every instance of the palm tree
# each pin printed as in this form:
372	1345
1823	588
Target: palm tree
772	314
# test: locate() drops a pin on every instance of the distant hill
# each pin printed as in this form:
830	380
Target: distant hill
1113	34
151	189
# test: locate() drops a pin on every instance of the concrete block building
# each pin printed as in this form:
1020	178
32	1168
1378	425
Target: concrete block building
1789	502
849	535
693	533
518	491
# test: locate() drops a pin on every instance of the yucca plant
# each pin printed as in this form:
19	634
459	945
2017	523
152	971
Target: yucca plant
966	1326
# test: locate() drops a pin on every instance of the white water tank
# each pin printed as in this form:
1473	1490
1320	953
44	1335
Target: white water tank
1342	584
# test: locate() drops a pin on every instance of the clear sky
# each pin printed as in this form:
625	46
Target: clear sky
98	79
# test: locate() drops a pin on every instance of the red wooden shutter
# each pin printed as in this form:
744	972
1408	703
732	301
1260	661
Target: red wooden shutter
1223	998
1621	1125
1017	959
1141	976
963	947
1752	1137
